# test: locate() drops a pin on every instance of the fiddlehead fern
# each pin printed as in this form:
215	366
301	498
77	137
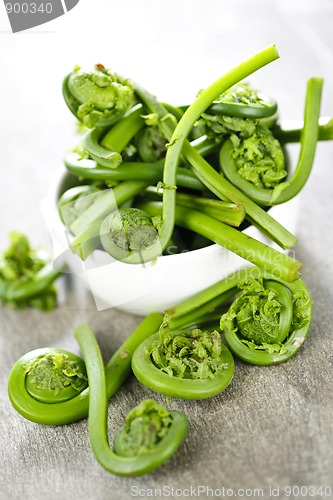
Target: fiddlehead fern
151	433
50	375
26	279
126	231
255	163
187	364
98	97
236	111
266	324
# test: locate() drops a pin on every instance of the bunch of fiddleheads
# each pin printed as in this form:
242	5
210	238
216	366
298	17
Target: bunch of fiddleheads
184	363
54	387
174	125
262	314
142	142
180	354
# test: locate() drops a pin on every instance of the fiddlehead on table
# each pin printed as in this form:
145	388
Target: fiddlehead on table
151	433
185	363
70	397
266	324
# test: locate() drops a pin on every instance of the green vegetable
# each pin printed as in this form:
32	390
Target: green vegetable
151	433
269	321
75	407
178	144
26	280
237	242
187	364
151	139
126	231
255	163
265	325
241	101
97	98
237	112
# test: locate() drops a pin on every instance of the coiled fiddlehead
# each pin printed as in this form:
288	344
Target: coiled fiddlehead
254	163
68	403
98	97
265	325
236	111
126	231
269	321
150	435
50	376
186	363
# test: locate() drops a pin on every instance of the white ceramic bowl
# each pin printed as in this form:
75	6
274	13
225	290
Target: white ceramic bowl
140	289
